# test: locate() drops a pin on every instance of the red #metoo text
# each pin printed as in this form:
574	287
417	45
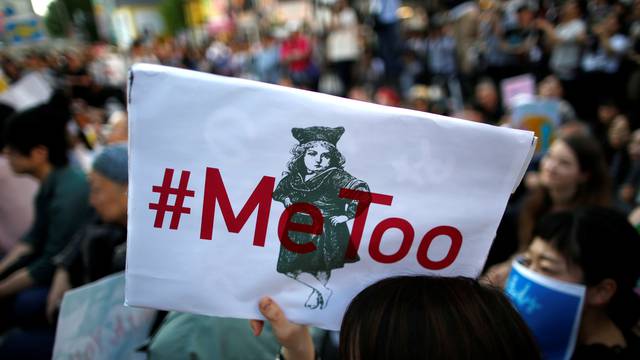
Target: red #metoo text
215	194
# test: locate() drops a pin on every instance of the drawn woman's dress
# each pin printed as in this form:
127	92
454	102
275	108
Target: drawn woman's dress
320	188
321	191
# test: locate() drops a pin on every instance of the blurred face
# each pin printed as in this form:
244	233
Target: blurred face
619	132
420	105
560	169
634	145
570	10
20	164
611	24
606	113
26	164
386	98
108	198
525	17
316	158
545	259
550	87
487	96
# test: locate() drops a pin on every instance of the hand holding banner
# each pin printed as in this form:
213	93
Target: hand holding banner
241	189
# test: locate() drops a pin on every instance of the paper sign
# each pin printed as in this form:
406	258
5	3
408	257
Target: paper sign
240	189
31	90
551	308
517	89
540	116
94	323
21	30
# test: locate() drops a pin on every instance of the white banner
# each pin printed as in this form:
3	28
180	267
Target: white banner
369	192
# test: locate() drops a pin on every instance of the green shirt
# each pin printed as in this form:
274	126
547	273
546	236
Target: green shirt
61	208
198	337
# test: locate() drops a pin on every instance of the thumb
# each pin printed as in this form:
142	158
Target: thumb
272	311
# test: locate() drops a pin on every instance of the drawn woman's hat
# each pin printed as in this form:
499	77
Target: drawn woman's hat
318	133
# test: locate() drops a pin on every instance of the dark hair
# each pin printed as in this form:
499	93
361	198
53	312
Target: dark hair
296	164
594	191
605	246
43	125
5	112
423	317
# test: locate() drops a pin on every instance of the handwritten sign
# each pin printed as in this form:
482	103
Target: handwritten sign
240	189
21	30
94	323
31	90
517	89
540	116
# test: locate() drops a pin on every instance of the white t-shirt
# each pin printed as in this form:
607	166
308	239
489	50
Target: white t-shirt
600	60
342	43
565	56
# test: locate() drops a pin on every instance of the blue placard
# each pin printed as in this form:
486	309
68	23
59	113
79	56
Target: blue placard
551	308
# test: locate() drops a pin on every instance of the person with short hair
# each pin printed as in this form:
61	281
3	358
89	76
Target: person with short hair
598	248
36	145
95	251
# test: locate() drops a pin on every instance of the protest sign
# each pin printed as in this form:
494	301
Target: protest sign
94	323
31	90
23	30
551	308
240	189
517	89
540	116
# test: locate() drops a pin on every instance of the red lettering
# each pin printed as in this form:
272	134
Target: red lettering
376	238
423	250
214	191
285	225
364	199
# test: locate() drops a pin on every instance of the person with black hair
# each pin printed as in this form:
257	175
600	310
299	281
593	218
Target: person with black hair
36	145
16	196
598	248
416	317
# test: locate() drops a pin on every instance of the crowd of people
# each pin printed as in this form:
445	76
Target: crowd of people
575	217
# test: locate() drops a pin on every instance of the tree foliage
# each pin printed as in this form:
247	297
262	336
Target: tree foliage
71	18
173	14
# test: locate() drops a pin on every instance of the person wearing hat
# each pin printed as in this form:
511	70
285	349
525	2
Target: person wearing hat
94	251
315	175
99	248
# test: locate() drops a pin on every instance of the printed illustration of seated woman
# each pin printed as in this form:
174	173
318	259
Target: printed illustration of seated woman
314	175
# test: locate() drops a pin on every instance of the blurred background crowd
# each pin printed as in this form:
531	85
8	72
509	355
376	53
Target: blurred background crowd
449	57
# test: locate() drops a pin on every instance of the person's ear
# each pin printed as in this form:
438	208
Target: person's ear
40	154
600	295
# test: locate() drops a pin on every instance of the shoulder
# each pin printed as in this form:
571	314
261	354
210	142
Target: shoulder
74	180
69	183
289	178
71	174
599	351
346	180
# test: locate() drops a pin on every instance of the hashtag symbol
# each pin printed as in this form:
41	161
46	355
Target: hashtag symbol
177	209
